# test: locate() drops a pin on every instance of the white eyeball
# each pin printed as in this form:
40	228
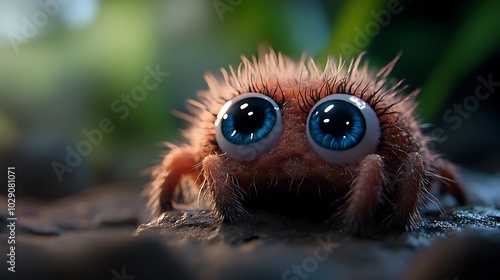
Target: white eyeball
248	126
342	129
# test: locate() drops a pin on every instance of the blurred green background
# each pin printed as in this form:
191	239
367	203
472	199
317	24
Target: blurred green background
64	63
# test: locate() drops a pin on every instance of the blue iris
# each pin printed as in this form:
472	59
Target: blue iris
248	121
337	125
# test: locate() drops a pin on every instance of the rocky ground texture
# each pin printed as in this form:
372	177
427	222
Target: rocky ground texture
107	233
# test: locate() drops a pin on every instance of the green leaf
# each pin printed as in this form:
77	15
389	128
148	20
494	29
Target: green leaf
476	39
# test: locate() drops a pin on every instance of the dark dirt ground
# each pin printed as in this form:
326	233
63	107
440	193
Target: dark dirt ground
106	233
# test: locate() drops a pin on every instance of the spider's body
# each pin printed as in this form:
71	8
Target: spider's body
340	144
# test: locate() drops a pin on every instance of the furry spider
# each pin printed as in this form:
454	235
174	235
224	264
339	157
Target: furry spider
339	145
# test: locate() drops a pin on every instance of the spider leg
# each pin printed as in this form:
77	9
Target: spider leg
224	191
179	163
408	190
365	194
449	179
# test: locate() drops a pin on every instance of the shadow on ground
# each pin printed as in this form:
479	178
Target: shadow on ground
105	233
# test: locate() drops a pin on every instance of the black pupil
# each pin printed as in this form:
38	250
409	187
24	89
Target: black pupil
336	118
248	115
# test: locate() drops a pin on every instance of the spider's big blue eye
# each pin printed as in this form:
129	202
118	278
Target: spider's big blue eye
337	125
248	120
247	126
342	129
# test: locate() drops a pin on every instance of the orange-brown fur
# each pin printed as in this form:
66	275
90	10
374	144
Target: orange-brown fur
384	190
